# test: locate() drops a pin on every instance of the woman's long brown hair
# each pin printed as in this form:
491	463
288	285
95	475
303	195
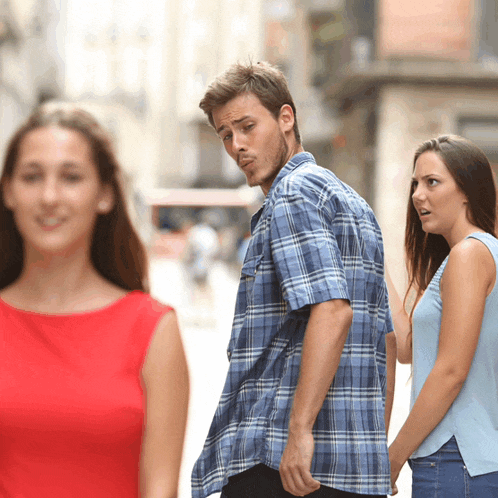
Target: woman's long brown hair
472	172
116	251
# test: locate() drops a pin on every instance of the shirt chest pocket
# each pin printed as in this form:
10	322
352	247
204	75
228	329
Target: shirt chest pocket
251	279
245	298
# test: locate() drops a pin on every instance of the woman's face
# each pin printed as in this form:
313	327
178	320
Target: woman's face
55	192
436	196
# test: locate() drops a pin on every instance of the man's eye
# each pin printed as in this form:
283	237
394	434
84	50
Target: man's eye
226	137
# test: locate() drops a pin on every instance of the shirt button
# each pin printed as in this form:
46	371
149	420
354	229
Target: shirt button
229	354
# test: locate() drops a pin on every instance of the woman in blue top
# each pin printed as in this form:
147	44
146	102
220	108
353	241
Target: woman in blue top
451	433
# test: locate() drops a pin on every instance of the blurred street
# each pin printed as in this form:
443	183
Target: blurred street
205	324
205	319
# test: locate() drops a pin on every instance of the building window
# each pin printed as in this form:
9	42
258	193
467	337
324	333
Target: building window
363	15
327	31
488	43
484	133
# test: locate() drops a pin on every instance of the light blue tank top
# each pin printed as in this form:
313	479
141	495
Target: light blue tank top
473	416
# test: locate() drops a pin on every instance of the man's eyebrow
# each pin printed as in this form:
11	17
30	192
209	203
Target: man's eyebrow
235	121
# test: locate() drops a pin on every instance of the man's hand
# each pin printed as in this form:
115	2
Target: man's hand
296	464
323	343
397	463
394	477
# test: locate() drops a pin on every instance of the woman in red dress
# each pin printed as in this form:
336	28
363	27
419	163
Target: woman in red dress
93	379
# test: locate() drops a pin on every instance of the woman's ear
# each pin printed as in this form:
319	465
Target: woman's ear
106	202
7	194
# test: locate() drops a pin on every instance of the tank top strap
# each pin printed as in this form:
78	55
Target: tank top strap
489	241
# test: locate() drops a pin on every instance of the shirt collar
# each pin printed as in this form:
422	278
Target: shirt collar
294	162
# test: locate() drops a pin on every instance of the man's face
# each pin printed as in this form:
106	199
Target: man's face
254	138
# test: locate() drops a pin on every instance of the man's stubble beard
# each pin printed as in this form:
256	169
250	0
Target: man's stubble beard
280	161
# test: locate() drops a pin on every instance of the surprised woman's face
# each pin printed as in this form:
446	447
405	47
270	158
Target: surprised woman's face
436	196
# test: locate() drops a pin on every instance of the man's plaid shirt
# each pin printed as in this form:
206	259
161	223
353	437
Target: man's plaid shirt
313	240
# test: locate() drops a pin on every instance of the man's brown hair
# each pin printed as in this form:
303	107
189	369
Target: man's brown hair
262	79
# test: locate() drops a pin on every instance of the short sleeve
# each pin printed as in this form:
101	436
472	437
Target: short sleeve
305	253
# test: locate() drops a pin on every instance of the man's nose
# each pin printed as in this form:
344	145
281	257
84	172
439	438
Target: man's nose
238	142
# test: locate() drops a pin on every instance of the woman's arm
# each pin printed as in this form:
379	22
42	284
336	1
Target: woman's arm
166	380
467	280
402	324
391	377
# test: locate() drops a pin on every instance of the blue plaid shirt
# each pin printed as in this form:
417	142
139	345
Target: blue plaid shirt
313	240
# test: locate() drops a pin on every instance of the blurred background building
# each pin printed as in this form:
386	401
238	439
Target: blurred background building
405	72
31	66
371	79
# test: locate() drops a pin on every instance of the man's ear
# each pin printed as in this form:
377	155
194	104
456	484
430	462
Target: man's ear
286	118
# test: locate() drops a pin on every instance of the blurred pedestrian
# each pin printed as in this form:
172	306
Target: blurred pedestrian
201	248
451	432
304	406
93	382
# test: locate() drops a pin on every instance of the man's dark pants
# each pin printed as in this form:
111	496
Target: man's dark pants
263	482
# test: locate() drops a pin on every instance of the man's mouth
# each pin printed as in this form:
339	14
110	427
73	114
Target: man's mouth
245	162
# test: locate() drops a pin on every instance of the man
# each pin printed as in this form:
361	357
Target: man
302	411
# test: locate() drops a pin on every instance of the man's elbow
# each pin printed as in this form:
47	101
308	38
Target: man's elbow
337	310
343	313
345	318
348	318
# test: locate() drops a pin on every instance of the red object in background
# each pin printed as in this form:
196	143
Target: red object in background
339	141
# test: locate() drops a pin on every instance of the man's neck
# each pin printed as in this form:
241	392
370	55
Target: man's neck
296	149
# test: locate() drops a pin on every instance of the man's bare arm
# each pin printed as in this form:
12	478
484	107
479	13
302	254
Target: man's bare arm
324	340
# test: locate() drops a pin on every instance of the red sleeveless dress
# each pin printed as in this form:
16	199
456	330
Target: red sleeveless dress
71	401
